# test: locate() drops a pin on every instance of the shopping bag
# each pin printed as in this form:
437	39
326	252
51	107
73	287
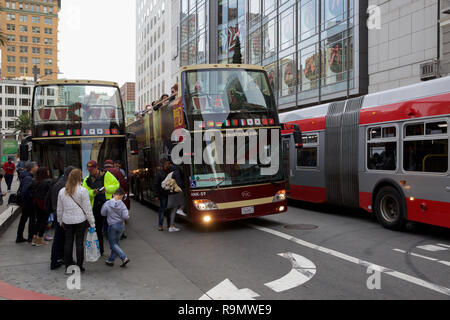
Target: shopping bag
92	246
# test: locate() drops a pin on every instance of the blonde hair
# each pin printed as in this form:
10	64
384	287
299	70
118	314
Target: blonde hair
75	178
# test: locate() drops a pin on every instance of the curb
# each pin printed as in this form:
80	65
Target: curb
8	217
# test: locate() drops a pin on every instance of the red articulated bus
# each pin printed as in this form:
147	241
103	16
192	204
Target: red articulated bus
385	153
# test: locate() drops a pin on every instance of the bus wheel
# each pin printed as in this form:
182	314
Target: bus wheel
390	209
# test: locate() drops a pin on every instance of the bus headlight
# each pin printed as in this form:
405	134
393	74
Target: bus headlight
280	196
205	205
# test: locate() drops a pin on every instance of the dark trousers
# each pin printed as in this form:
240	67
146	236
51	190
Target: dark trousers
27	214
58	245
9	179
75	232
162	211
99	228
41	222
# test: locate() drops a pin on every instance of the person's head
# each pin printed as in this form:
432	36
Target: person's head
165	164
92	167
32	167
10	159
119	194
109	164
67	172
164	97
42	174
174	89
75	179
118	164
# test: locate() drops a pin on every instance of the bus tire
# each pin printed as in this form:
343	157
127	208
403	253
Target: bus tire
390	208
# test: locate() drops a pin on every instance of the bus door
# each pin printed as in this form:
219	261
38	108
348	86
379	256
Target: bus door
286	146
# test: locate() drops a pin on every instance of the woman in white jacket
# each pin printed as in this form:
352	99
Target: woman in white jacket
74	215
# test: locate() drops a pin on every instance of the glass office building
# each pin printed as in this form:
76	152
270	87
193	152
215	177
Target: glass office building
314	50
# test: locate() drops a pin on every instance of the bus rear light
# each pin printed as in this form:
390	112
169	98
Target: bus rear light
205	205
280	196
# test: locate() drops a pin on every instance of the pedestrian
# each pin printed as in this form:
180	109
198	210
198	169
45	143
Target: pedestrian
74	213
26	198
2	194
9	168
57	255
119	164
162	195
174	89
41	202
116	213
101	186
20	168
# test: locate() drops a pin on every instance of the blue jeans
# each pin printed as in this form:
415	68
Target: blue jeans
114	233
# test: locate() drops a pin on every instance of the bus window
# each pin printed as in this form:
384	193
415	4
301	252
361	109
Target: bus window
416	129
390	132
374	133
426	156
307	156
436	128
382	156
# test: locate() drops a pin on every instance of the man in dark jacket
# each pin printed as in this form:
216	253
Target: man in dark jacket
57	255
161	194
26	196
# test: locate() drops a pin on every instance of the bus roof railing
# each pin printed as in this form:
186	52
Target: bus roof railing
74	82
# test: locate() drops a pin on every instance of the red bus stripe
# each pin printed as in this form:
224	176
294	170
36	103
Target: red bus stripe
10	292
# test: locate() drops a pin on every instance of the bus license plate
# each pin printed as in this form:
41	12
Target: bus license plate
248	210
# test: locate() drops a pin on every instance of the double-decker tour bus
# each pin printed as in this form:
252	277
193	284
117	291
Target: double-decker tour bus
75	121
236	101
385	153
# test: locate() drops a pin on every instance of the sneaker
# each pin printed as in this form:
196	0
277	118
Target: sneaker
181	213
160	229
109	263
55	266
125	262
173	229
48	238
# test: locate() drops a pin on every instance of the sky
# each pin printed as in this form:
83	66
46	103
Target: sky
97	40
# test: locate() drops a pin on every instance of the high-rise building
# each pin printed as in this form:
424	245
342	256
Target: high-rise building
31	30
128	93
154	76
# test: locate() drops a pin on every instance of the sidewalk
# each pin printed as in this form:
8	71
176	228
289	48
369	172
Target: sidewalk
8	213
149	276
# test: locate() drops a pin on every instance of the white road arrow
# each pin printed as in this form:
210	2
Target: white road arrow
302	271
226	290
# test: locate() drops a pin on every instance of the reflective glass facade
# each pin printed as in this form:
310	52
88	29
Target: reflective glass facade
314	50
193	32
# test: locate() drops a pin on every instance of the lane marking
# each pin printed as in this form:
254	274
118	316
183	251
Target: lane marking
302	271
432	248
447	263
226	290
7	214
444	245
366	264
10	292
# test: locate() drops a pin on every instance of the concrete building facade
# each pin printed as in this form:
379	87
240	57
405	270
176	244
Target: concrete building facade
15	99
128	93
154	75
31	29
414	34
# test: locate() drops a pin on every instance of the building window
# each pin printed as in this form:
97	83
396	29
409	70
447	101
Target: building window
23	70
25	90
23	49
36	30
10	101
11	113
36	50
23	59
10	48
382	148
11	69
48	41
48	62
48	31
11	27
425	148
10	90
23	29
36	61
36	40
307	157
36	19
25	102
11	59
48	51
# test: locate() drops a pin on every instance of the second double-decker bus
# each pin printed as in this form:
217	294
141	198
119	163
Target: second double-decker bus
386	153
75	121
238	102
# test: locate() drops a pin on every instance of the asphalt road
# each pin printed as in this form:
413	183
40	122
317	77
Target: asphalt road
331	261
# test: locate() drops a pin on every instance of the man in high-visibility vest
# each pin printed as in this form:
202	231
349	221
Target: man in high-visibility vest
101	186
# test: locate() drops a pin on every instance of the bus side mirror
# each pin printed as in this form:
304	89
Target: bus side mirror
298	137
133	143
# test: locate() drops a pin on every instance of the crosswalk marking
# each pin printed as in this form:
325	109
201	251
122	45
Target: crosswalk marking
433	248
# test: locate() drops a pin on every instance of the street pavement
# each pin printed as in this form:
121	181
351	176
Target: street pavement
260	258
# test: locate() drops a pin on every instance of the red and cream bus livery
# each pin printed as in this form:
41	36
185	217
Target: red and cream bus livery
385	152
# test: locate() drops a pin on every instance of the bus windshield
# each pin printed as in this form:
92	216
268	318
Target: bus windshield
225	91
95	108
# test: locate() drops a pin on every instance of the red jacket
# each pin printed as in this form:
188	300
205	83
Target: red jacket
9	168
